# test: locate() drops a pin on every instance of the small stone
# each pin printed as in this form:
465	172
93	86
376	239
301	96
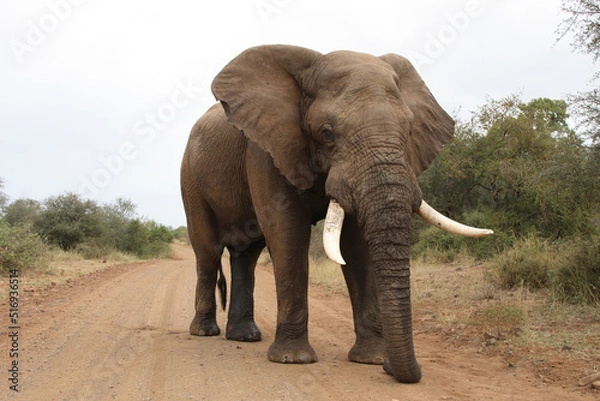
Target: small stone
596	385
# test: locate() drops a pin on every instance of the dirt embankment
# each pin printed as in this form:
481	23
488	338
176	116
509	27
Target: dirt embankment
122	334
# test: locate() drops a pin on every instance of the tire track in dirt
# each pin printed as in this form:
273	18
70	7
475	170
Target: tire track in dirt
160	356
68	355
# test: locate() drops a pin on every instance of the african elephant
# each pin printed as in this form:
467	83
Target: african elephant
293	130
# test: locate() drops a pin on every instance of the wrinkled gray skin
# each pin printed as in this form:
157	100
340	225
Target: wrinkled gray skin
295	128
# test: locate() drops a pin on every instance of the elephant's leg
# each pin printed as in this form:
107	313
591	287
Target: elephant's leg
205	321
284	218
240	322
370	345
203	238
289	252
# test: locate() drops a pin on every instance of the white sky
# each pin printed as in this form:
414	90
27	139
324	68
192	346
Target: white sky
98	97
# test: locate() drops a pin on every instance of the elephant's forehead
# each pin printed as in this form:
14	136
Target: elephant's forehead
350	70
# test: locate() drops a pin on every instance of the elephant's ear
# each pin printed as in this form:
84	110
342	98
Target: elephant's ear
432	126
260	92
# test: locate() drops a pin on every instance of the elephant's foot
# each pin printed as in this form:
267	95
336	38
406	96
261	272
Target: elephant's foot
244	331
204	327
292	351
370	351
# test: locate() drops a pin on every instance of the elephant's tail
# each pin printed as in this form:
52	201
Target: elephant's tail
222	284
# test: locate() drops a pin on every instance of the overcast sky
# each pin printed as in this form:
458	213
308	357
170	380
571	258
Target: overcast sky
98	97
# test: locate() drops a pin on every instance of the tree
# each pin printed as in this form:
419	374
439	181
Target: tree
583	21
68	220
147	239
521	164
22	211
3	196
118	216
20	248
586	106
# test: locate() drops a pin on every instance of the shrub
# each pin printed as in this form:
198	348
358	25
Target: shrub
91	250
147	239
577	280
95	231
433	244
68	220
20	248
528	263
22	211
181	234
490	246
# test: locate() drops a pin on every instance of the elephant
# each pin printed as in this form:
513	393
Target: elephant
296	136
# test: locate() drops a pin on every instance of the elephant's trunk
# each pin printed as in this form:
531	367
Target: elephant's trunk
384	211
382	193
387	224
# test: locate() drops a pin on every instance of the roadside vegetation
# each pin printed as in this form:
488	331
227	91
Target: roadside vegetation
34	233
519	169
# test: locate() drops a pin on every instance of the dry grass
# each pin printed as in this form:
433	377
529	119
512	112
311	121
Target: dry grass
70	265
322	272
328	274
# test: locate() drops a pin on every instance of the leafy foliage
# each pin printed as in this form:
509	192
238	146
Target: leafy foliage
519	169
181	234
577	280
68	220
20	248
22	211
583	20
72	223
586	108
520	164
147	239
3	196
527	264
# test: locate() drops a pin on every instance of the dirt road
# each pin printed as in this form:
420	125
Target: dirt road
122	334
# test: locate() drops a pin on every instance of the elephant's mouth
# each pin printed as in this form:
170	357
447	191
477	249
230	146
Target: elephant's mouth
335	219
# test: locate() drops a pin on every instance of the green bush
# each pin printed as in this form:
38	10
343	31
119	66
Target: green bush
22	211
570	268
577	280
181	234
434	244
91	250
95	231
490	246
520	160
20	248
147	239
529	263
68	220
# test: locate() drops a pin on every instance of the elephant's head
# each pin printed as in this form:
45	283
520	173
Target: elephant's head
367	124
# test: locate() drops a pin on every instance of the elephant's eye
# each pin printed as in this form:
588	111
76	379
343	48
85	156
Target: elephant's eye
328	135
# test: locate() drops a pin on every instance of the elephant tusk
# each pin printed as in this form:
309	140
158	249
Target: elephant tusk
332	231
438	220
